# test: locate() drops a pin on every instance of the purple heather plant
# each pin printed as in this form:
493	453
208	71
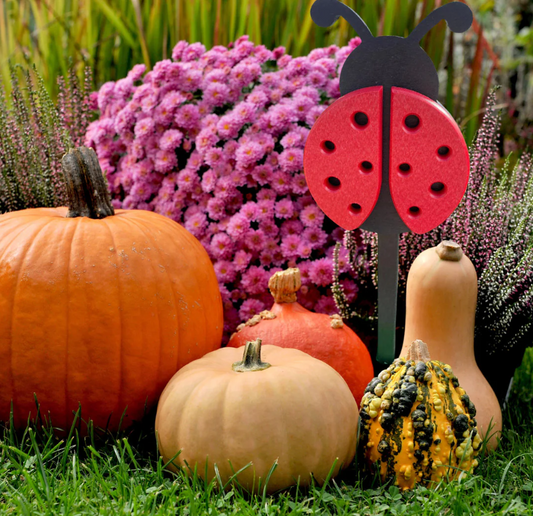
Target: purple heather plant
494	226
214	140
34	135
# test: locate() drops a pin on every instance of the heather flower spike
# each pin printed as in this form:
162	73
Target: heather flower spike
386	156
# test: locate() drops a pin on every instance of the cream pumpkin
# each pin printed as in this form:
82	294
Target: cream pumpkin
291	410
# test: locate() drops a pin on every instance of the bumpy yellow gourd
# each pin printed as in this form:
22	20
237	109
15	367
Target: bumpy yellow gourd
417	425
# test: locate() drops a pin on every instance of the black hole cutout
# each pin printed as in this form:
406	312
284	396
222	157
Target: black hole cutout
412	121
405	167
414	210
437	187
334	182
360	119
366	166
443	151
355	208
328	146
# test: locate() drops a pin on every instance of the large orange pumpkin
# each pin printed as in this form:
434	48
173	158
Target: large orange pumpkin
98	308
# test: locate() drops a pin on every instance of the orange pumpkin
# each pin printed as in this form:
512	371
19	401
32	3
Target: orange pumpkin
290	325
98	308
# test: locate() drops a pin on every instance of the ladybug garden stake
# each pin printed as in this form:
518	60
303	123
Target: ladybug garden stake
386	156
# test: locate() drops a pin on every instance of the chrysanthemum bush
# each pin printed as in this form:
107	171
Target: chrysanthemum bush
214	140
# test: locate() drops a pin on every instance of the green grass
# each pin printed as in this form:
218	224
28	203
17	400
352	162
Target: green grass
41	475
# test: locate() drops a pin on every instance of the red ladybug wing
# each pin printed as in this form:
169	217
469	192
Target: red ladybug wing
429	163
342	157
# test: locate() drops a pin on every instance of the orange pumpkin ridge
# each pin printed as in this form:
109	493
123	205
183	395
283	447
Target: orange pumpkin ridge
100	309
288	324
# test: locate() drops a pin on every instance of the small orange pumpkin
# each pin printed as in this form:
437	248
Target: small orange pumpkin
289	324
98	307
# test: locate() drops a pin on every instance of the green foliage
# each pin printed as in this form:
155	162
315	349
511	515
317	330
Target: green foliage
34	135
111	36
41	474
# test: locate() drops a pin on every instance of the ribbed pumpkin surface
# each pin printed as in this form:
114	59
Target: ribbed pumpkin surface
99	312
298	413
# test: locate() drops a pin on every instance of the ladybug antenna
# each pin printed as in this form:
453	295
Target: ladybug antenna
458	16
326	12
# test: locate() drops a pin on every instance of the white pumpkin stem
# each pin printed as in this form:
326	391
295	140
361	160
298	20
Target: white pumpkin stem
284	285
418	352
449	251
86	188
251	358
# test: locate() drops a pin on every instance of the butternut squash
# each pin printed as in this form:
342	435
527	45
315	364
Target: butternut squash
441	302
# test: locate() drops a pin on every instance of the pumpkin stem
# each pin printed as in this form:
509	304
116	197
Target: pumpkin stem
251	358
418	352
86	187
283	285
449	251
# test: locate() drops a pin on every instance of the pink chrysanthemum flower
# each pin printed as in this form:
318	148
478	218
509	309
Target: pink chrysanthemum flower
209	180
315	236
216	94
249	154
284	209
196	224
312	216
225	271
238	225
299	184
214	157
165	161
321	272
229	125
281	182
187	179
291	160
222	246
255	280
304	249
250	210
170	140
258	98
216	208
144	127
187	116
255	240
241	260
290	245
262	174
250	307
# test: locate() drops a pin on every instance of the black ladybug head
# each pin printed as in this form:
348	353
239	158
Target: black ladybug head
391	60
